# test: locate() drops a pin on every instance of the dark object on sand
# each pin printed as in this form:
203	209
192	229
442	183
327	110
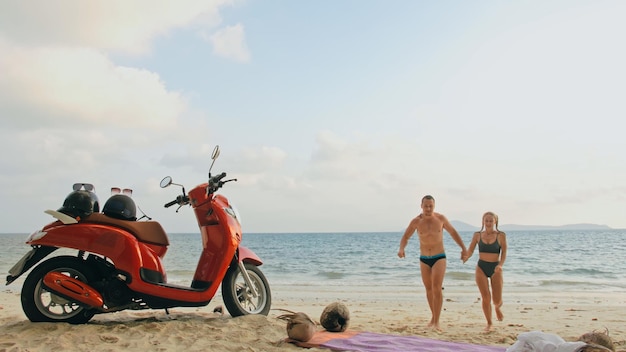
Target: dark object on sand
595	339
299	326
335	317
594	348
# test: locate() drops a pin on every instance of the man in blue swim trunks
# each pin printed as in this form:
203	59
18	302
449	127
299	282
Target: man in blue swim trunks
429	226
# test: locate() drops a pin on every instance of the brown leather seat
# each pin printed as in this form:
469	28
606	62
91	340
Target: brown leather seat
145	231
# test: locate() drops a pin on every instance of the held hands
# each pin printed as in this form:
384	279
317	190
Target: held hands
464	255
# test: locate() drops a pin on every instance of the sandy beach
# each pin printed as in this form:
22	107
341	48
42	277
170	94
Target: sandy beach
194	329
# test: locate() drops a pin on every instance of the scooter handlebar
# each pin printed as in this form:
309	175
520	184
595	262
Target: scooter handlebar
182	200
167	205
217	178
215	183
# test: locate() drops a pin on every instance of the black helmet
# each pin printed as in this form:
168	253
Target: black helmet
79	204
95	203
120	206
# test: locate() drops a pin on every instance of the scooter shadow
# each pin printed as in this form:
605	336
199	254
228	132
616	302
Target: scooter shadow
156	316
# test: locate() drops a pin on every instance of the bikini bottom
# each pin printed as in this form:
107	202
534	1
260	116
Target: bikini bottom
487	267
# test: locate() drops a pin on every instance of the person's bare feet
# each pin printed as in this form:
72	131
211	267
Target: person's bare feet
488	328
499	314
435	326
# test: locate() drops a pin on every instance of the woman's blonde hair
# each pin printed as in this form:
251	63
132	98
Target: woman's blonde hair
495	217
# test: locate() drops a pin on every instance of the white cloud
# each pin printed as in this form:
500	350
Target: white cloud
127	26
272	157
230	42
56	68
82	86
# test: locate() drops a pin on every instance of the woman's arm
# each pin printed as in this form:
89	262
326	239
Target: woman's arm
472	246
503	245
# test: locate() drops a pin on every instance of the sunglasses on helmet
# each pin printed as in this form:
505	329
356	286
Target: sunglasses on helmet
126	191
85	186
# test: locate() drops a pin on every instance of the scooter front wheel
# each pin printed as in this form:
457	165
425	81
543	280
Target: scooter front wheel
239	298
41	305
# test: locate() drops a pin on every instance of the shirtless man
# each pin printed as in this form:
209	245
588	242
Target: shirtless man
429	226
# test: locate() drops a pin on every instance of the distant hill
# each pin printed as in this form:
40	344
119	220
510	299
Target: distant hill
513	227
463	226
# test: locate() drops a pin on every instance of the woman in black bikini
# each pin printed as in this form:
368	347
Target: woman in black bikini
491	256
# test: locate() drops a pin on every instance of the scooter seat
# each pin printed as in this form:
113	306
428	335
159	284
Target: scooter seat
145	231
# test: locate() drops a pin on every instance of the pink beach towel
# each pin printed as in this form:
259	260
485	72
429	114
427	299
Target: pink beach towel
374	342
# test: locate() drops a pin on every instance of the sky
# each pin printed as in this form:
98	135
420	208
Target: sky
333	115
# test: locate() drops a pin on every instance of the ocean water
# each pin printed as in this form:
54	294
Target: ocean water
537	261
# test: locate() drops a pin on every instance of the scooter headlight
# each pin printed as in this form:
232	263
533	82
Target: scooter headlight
36	236
232	211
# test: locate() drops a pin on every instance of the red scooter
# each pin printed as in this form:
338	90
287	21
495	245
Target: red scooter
119	261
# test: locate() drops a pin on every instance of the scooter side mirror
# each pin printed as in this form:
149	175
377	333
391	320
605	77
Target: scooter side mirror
214	155
166	181
216	152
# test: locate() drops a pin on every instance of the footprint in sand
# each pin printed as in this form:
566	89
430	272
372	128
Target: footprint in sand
109	339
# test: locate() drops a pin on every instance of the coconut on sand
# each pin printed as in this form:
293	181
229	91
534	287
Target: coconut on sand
335	317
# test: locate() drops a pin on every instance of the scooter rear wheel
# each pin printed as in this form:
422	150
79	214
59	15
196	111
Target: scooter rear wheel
41	305
239	298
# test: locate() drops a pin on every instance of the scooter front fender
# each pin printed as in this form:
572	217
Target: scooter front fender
248	256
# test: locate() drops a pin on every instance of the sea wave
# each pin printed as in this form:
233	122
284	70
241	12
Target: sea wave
581	284
460	275
588	271
331	275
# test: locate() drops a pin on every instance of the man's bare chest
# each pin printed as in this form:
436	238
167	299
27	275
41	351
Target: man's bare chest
429	227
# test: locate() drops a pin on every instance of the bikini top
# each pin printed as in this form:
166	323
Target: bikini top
488	247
